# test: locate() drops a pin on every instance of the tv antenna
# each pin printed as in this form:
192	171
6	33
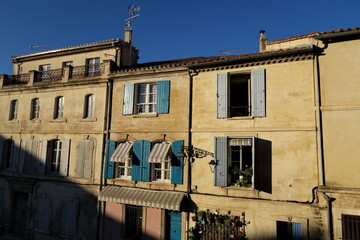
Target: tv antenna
37	46
230	51
132	14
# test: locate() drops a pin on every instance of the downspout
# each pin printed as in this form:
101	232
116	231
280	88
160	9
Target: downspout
106	136
320	148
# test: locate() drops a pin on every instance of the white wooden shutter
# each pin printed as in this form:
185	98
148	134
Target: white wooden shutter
222	95
128	104
43	154
16	156
84	159
221	157
258	93
64	161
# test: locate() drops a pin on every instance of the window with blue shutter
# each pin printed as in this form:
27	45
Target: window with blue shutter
109	168
221	158
177	163
141	165
240	95
163	96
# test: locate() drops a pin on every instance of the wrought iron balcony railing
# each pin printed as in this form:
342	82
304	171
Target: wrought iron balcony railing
16	79
87	71
50	75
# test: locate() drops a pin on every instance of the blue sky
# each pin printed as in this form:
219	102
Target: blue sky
166	30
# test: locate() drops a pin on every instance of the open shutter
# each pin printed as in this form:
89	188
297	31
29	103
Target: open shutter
70	215
137	159
163	96
109	166
145	165
222	95
43	214
221	168
296	231
258	93
64	161
177	163
16	156
43	154
128	103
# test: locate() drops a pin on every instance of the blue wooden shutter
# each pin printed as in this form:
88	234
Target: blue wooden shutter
163	96
128	104
70	214
258	93
145	165
137	159
221	155
177	163
109	166
43	214
222	95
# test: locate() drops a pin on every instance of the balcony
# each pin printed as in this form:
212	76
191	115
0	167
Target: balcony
65	74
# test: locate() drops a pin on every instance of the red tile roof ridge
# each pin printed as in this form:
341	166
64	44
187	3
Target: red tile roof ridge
308	35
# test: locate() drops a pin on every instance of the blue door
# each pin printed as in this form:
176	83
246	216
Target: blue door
175	225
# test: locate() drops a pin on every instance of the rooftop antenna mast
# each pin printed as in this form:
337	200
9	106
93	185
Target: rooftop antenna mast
37	46
132	14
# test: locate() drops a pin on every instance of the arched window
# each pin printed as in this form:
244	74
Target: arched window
35	108
59	107
13	109
89	106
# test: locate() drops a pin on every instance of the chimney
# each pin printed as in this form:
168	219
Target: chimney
128	36
262	41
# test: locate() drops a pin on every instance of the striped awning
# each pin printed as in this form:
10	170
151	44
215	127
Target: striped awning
159	152
141	197
121	152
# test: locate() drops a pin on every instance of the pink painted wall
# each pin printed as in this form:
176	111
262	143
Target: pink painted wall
153	223
113	221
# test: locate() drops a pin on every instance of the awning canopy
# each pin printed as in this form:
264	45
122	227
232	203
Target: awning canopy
159	152
121	152
141	197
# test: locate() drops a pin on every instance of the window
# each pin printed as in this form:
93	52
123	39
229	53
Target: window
35	108
93	67
144	164
240	95
146	98
9	154
69	63
84	159
350	227
89	106
45	74
54	157
235	162
288	230
13	110
133	222
59	107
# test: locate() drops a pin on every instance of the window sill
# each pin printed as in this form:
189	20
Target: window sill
241	118
152	115
13	121
34	121
58	120
240	188
93	119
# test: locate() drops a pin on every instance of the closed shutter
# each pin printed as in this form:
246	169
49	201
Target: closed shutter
137	158
296	234
84	159
1	153
145	165
30	157
258	93
43	214
64	161
109	166
128	102
222	95
16	156
70	217
163	97
43	154
221	168
177	163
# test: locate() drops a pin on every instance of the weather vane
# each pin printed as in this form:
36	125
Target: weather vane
132	14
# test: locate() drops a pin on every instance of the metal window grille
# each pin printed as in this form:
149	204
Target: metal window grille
350	227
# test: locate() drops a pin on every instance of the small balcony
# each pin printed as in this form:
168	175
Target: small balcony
65	74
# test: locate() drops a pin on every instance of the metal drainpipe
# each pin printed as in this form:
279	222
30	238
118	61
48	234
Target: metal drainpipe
322	181
106	135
